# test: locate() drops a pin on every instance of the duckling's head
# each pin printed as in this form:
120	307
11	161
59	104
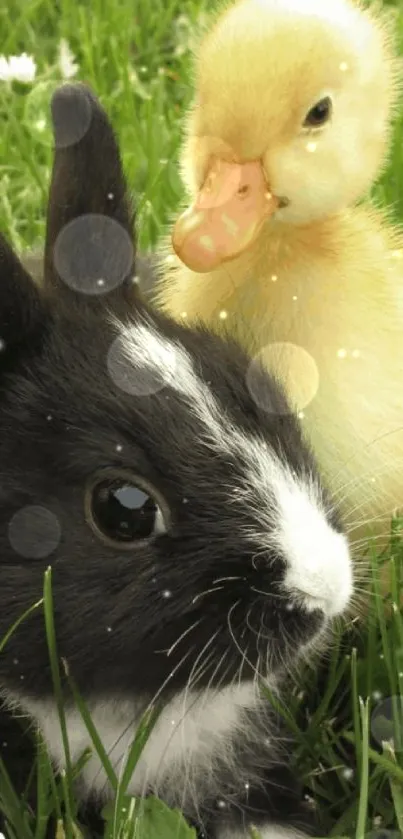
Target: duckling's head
290	121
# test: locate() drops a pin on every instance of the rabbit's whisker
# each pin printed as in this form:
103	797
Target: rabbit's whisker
192	680
184	634
207	591
148	708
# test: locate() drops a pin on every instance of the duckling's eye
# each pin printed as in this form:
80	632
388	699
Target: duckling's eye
319	114
121	512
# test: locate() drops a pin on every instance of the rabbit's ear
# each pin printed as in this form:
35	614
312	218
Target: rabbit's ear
22	311
90	242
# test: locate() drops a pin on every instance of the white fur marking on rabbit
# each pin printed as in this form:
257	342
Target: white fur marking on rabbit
269	832
190	731
318	560
145	347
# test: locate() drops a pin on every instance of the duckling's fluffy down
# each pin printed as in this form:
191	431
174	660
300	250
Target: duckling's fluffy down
323	274
262	66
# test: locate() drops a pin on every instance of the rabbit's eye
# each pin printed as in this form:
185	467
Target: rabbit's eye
123	512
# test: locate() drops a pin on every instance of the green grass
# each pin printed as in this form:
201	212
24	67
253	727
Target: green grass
136	57
135	53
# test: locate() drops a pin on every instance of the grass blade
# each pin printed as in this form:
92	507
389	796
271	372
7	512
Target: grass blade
57	685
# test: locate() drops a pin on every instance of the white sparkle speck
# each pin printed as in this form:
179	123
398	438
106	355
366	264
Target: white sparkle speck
184	314
274	278
109	629
376	695
223	315
2	344
110	196
100	282
301	415
119	447
347	773
343	66
221	804
170	259
341	353
311	147
295	297
15	660
167	594
356	353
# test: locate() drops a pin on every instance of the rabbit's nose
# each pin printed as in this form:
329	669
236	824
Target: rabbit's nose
319	569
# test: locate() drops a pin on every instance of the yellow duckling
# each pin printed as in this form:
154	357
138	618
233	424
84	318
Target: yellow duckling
288	129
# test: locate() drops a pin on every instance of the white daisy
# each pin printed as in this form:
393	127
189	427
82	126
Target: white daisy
19	68
67	64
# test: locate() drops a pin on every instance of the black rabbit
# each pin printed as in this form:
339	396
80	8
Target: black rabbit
163	476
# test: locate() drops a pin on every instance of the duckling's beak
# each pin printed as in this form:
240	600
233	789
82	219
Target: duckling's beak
226	217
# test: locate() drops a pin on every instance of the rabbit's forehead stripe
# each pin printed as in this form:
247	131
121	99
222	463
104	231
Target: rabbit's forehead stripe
287	511
264	472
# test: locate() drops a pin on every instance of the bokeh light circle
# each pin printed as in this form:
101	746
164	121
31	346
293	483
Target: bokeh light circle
294	368
34	532
93	254
144	372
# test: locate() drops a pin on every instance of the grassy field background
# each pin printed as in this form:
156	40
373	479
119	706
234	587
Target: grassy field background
137	57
